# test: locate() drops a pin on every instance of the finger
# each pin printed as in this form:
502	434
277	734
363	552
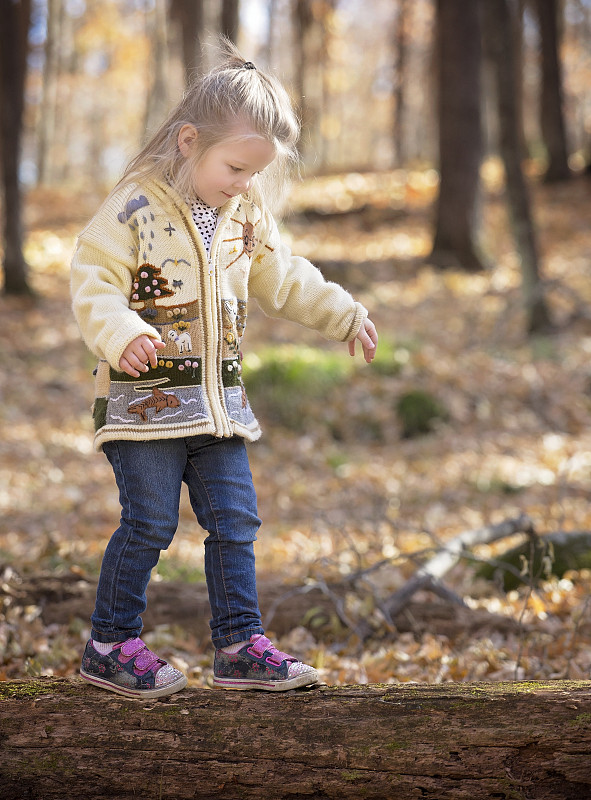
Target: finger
150	347
352	347
369	349
126	367
139	359
371	331
366	340
369	354
150	351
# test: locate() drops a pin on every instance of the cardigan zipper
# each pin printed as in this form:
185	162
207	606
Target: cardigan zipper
216	367
213	387
212	367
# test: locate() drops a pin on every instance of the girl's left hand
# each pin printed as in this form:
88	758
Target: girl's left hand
368	336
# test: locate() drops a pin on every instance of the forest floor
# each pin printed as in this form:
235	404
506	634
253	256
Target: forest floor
341	489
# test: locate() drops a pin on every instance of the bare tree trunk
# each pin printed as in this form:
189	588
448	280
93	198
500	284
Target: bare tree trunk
270	44
189	14
399	43
323	64
460	137
230	19
302	21
157	98
551	104
498	28
47	118
61	738
14	27
68	68
518	49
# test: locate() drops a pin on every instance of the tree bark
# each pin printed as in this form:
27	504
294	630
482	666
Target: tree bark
190	16
230	19
460	136
447	742
15	15
400	50
46	125
551	101
498	28
302	23
157	96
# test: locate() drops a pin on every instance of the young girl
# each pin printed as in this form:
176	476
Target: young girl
160	282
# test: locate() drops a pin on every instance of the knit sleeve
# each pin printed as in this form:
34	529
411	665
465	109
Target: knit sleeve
102	271
291	287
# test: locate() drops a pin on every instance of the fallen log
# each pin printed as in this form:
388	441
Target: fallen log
60	738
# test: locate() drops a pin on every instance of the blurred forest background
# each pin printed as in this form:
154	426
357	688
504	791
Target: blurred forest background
426	518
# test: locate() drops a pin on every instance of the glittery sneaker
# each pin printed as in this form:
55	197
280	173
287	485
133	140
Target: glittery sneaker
132	670
260	665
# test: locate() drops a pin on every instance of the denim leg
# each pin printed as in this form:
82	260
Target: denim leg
149	477
223	498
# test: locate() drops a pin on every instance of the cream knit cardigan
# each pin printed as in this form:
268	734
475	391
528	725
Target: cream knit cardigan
140	267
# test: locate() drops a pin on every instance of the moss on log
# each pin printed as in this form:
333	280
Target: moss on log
61	738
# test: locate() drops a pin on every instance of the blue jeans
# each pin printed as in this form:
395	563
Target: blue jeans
149	476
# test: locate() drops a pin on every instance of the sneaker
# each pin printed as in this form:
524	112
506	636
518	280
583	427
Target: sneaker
132	670
260	665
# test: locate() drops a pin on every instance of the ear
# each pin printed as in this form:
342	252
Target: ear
186	139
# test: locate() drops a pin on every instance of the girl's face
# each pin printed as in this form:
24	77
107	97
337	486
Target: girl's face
227	169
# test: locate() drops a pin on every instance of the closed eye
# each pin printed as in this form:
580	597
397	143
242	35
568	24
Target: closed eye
240	169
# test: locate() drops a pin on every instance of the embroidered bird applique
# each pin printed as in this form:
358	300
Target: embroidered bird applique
158	400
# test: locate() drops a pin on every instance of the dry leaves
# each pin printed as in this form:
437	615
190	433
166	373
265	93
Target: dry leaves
351	492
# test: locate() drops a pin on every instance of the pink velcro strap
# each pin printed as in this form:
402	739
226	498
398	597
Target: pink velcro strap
279	656
131	647
263	645
258	648
146	660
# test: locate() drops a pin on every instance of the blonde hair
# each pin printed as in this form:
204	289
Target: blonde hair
233	92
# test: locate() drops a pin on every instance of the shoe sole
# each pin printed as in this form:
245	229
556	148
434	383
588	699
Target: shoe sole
267	686
138	694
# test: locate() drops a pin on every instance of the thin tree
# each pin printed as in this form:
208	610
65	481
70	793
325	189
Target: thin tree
302	22
312	34
551	99
498	24
400	48
230	19
456	242
14	28
190	18
270	33
157	96
48	112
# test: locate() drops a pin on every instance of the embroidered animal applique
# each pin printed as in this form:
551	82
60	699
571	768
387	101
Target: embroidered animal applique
248	239
182	339
232	335
158	400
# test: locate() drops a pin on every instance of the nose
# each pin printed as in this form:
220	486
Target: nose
243	182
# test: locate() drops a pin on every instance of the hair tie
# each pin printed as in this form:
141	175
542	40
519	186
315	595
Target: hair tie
248	65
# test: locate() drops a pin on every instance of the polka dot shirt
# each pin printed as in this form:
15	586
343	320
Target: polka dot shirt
206	220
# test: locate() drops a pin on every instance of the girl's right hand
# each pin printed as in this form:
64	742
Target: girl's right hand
368	336
139	355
